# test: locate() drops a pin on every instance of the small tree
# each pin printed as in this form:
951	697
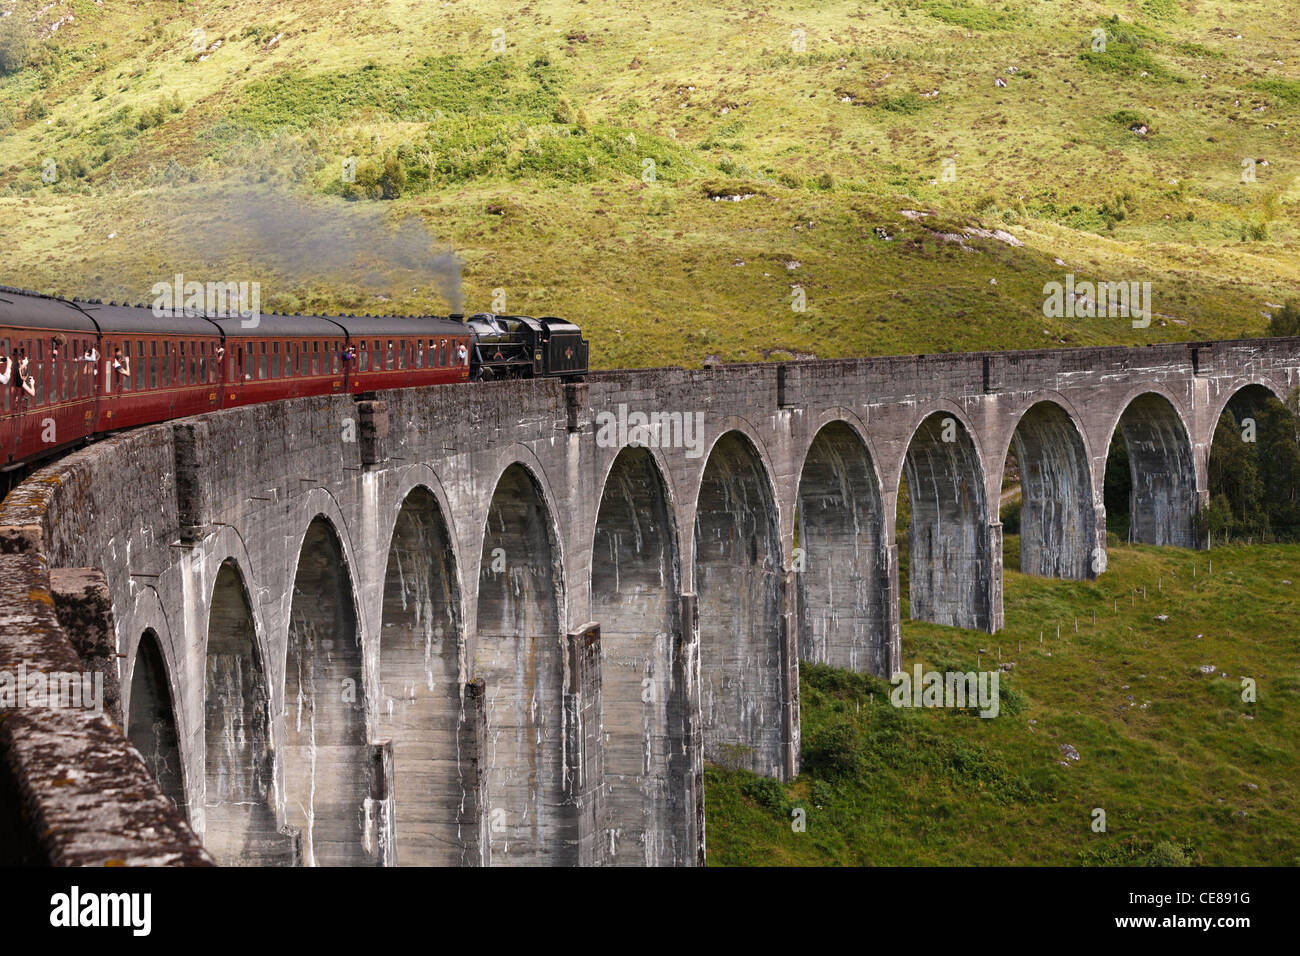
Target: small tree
1285	321
15	52
393	178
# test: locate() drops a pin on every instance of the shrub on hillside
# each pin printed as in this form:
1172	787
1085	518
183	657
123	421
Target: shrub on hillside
15	52
1286	320
835	750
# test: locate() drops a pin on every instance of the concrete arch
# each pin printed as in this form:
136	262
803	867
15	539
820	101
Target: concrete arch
1058	513
420	689
842	568
954	561
516	455
664	475
237	821
635	588
326	758
744	675
686	521
423	477
908	432
1163	499
519	655
147	613
151	718
1227	396
816	422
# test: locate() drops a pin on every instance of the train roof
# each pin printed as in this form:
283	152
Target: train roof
274	325
31	310
26	309
115	319
426	326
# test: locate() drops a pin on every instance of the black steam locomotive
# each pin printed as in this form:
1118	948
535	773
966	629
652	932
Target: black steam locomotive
520	346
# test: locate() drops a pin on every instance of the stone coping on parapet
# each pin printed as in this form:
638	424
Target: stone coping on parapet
73	791
1059	355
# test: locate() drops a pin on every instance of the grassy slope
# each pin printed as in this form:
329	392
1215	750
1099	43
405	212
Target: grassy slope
1172	755
834	142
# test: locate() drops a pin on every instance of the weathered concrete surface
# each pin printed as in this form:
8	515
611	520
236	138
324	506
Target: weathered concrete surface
477	529
76	793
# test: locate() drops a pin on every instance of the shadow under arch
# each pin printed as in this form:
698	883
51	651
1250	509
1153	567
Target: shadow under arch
326	755
842	563
950	567
635	587
238	822
151	724
420	705
738	583
1159	477
519	656
1057	523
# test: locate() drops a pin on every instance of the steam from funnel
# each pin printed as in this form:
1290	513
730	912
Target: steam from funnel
334	240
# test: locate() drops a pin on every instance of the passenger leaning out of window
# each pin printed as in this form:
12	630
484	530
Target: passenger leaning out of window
121	364
28	382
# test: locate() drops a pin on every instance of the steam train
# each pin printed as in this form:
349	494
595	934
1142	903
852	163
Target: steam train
73	370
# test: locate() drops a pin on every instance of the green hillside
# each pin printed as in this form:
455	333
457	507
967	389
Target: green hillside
795	145
1185	769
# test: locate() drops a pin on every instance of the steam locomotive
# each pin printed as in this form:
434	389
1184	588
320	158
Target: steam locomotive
73	369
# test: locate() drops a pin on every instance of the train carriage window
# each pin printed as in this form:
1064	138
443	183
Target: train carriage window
442	354
336	358
165	364
275	360
378	356
72	373
363	357
315	358
401	354
261	360
35	369
304	366
388	357
203	363
4	350
153	365
194	364
42	374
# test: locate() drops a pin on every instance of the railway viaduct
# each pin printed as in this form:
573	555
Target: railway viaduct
484	625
